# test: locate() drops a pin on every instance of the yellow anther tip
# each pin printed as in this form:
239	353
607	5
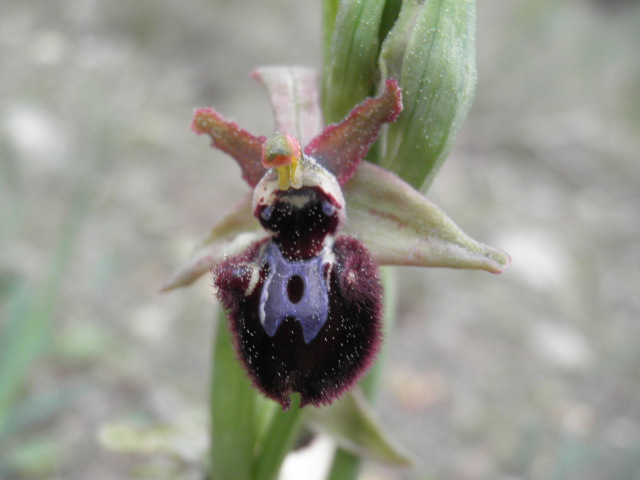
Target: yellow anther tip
282	152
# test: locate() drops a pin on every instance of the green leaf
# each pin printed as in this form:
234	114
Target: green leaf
401	227
352	424
431	52
350	71
345	466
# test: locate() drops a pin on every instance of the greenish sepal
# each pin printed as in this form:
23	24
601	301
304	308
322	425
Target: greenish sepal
352	424
401	227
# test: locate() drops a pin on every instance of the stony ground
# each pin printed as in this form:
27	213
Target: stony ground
534	374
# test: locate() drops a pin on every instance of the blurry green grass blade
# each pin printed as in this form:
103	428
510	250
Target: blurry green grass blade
23	340
350	71
12	213
277	441
354	427
36	409
431	51
28	328
36	457
266	409
233	412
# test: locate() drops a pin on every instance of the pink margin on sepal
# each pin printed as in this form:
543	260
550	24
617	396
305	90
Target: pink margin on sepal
245	148
341	146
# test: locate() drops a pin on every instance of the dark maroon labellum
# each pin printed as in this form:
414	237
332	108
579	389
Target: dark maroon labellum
305	306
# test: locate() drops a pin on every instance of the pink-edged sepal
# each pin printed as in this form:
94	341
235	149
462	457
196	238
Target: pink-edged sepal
342	146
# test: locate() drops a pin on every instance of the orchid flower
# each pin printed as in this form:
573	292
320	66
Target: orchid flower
296	261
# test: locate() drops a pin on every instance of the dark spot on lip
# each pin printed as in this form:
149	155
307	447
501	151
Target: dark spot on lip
295	288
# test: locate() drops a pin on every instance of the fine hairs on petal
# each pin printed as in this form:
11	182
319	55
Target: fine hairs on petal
246	149
341	147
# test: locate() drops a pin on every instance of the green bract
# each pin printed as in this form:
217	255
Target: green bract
351	57
429	49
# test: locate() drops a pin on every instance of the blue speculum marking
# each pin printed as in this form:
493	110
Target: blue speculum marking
295	289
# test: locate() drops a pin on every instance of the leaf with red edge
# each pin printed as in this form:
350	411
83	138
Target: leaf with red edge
341	147
245	148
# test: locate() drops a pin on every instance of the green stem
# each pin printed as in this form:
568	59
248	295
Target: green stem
278	441
345	466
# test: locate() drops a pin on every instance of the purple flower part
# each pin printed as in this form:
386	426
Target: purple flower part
321	365
341	146
245	148
295	289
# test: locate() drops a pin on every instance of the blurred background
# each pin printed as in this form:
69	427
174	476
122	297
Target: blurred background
104	190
